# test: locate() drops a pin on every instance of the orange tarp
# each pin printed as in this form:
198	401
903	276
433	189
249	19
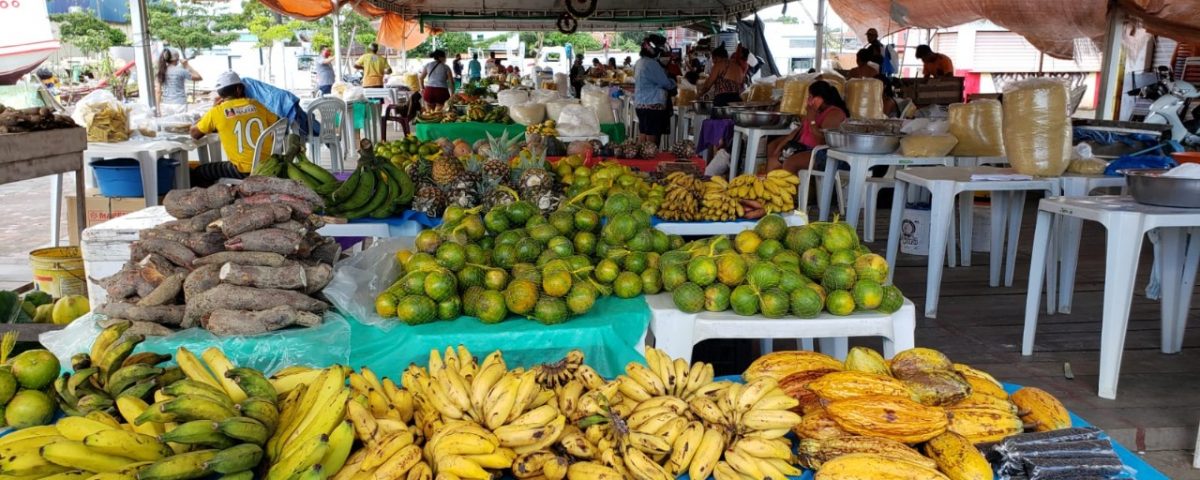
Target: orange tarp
398	33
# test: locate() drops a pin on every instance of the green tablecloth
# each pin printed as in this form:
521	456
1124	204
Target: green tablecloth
608	336
472	131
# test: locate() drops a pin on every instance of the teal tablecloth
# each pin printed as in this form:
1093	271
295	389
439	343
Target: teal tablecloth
470	132
608	335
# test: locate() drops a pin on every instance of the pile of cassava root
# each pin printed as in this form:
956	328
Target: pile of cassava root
238	260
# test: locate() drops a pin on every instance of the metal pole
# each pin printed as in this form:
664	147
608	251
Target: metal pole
337	42
141	44
820	25
1111	67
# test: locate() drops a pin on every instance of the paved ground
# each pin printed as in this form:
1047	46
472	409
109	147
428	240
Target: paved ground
26	226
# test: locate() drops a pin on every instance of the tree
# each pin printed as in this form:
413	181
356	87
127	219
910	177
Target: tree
88	33
632	41
190	27
784	19
351	24
269	27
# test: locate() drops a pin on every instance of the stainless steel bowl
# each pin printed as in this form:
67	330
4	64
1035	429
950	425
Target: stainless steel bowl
864	143
703	107
754	105
722	113
761	119
1149	186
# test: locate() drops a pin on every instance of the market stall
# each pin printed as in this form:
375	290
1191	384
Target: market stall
472	132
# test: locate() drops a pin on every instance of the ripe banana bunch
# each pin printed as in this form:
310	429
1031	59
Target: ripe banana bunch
682	199
557	374
109	371
378	407
717	204
93	444
663	376
751	421
540	464
776	191
313	433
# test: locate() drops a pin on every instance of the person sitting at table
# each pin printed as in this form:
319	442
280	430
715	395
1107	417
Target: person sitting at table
628	63
863	68
239	121
936	64
725	81
825	109
373	66
437	81
597	69
612	64
650	91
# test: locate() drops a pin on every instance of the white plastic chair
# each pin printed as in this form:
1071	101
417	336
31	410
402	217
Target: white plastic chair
277	132
871	199
331	113
811	174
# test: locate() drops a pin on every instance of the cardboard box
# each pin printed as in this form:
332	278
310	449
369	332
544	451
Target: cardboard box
98	209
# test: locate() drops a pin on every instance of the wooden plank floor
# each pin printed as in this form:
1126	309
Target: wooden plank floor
1158	404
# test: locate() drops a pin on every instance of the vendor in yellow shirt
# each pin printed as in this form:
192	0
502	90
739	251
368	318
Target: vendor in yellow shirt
239	121
374	67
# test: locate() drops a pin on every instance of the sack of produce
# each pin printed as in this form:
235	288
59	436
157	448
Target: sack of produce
978	126
597	99
562	85
927	145
687	95
1037	129
864	96
795	94
528	113
104	117
577	121
509	98
762	92
554	109
409	79
542	96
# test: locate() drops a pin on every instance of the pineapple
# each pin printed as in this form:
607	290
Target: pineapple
536	184
446	169
498	195
420	172
430	201
499	150
647	150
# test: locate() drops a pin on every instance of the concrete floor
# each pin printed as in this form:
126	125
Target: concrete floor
26	226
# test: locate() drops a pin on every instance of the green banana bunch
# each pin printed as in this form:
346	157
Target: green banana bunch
109	371
271	167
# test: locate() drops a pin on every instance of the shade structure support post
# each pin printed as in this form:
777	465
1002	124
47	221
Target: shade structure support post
141	44
1110	69
819	53
337	42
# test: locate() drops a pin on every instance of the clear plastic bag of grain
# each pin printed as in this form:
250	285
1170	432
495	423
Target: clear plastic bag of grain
979	128
795	94
1037	128
864	96
927	145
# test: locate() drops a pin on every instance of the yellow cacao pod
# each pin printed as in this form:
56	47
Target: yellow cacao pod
937	387
979	385
969	372
842	385
781	364
866	466
863	359
958	458
813	453
817	424
915	360
1039	408
982	400
796	385
983	425
894	418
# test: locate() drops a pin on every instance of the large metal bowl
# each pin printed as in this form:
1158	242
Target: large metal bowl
761	119
722	113
754	105
863	143
703	107
1149	186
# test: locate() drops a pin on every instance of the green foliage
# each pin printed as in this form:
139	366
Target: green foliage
582	42
268	26
190	27
88	33
632	41
352	24
453	43
784	19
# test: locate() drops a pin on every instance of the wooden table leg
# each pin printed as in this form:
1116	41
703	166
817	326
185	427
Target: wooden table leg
80	201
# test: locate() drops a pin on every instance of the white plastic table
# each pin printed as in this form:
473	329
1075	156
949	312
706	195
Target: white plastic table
1126	222
412	228
148	151
1068	232
753	137
676	332
371	229
944	184
860	165
793	219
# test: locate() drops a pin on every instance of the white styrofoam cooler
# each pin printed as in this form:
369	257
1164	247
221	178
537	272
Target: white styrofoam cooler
914	231
105	246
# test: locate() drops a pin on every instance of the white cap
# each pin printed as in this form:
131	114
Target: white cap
228	78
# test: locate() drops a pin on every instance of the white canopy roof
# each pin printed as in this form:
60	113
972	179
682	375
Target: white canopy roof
543	15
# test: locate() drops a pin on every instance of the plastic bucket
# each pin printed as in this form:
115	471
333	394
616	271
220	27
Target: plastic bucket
58	271
122	177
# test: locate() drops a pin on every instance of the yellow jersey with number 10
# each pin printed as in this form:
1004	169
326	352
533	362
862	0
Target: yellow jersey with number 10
239	122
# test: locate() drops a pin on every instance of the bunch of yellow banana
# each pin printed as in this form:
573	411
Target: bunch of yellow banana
748	422
682	199
111	370
540	464
556	374
379	412
663	376
313	435
717	204
455	389
776	191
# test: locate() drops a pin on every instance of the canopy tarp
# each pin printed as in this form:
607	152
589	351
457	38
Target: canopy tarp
610	15
1052	27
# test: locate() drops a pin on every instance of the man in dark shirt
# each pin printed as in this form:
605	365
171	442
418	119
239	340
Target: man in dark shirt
874	48
577	74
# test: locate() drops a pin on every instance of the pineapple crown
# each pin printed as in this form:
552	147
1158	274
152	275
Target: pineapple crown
501	148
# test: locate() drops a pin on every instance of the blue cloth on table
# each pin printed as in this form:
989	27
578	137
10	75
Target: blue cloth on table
1101	137
715	133
281	102
1138	161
